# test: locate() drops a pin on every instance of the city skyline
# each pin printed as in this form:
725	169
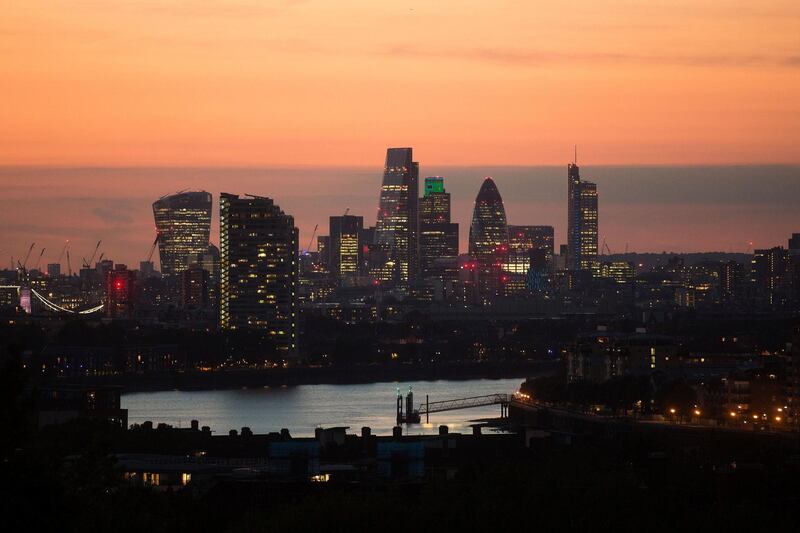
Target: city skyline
651	209
303	265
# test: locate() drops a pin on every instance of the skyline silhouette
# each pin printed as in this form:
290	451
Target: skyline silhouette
651	209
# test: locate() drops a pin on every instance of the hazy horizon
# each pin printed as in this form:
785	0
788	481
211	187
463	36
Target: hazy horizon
648	208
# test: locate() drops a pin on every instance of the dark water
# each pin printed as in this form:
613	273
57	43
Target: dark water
303	408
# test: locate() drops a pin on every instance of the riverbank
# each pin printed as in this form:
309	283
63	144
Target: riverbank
236	379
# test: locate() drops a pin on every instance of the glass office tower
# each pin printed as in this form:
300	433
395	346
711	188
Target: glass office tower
183	223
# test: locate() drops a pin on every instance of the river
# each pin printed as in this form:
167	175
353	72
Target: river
302	408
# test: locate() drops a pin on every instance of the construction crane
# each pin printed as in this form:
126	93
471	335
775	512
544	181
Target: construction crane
346	211
86	264
604	248
152	249
64	249
100	259
69	265
39	261
27	256
311	240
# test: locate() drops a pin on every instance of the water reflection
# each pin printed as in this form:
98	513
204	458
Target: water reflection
303	408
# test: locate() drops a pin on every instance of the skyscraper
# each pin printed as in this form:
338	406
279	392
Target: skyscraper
396	255
183	222
488	239
346	248
582	224
258	268
438	237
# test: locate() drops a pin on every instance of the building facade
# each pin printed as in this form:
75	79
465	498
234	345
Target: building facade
768	275
438	237
346	250
120	292
195	294
488	240
582	222
259	269
395	257
183	223
731	282
522	240
434	206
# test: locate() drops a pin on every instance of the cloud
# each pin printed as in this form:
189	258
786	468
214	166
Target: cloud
523	57
214	9
112	216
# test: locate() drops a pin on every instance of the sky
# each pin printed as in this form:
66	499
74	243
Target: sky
686	113
322	82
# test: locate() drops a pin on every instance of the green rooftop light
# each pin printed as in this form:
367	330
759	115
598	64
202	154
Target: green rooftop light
434	184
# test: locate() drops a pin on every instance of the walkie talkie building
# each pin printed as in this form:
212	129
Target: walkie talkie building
183	223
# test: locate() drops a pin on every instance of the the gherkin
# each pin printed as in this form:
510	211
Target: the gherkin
488	234
488	241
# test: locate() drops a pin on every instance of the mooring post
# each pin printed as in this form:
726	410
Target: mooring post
427	410
399	409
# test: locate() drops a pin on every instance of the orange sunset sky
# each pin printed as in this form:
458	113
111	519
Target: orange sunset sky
323	82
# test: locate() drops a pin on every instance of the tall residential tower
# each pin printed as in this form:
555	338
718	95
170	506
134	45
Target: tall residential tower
258	268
